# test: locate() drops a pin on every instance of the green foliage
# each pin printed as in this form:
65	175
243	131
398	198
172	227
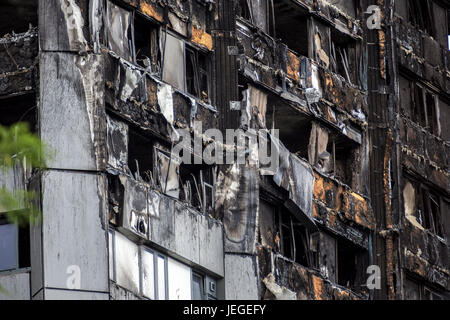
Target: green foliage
19	145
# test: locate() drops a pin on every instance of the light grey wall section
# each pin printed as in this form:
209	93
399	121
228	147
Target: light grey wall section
71	103
72	230
55	294
17	286
188	234
241	280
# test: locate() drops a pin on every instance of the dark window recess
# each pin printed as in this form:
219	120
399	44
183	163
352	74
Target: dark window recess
291	26
19	109
430	211
140	156
424	109
415	290
197	183
341	154
197	74
352	262
115	198
282	232
17	17
146	44
420	15
244	9
343	58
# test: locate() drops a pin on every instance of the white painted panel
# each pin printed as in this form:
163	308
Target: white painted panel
148	273
161	278
179	278
126	263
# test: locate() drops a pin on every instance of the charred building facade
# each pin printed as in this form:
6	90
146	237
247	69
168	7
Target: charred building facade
357	207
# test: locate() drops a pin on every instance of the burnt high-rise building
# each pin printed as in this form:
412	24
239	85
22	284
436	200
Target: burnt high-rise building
356	207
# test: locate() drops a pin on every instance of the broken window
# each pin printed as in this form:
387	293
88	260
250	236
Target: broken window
282	232
291	26
352	262
198	186
424	205
415	290
331	153
343	57
17	17
119	31
167	172
258	12
193	62
430	211
420	15
140	156
197	74
146	44
424	109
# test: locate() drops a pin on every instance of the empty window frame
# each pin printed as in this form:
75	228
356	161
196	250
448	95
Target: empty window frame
352	262
430	211
258	12
198	186
167	171
420	15
343	58
140	156
291	26
424	109
186	67
415	290
284	233
118	30
14	245
146	43
425	205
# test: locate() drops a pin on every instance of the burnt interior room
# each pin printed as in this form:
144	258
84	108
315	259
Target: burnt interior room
146	43
291	26
343	56
352	262
140	154
17	15
20	108
295	128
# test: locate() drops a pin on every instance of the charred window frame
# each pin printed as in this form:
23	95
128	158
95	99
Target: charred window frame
197	183
415	289
420	15
132	36
146	39
292	24
197	73
343	58
427	206
352	262
193	62
425	108
260	13
140	155
284	233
